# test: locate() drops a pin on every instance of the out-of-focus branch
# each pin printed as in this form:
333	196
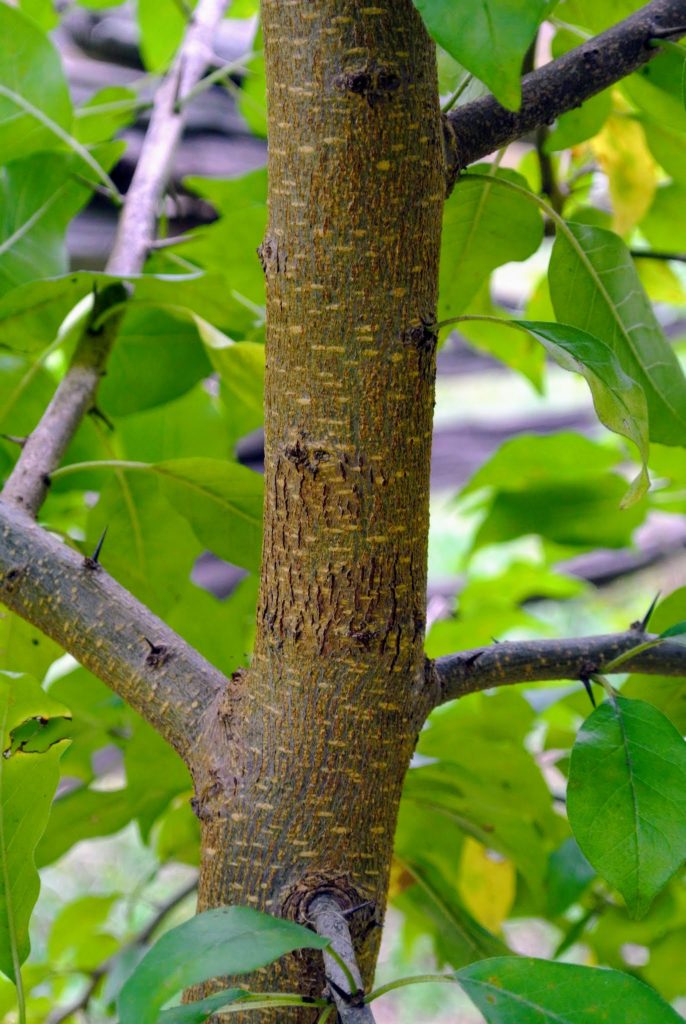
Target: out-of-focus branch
526	661
27	485
479	128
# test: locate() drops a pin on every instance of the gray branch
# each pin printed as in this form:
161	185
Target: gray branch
528	661
329	920
73	601
75	395
477	129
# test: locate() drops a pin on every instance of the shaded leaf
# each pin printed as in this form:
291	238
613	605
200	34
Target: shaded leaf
196	1013
521	990
226	941
628	772
222	501
618	400
158	357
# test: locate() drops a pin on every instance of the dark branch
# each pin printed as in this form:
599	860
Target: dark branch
97	621
479	128
528	661
330	921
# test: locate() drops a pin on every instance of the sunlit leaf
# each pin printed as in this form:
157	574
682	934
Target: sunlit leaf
628	771
487	37
594	286
27	785
29	66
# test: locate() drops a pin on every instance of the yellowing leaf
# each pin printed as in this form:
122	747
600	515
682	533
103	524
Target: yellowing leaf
486	884
631	170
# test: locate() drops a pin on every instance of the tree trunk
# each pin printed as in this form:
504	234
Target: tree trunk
319	731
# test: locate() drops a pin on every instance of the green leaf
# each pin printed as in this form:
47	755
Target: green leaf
38	198
252	95
618	400
533	460
31	313
29	66
222	501
228	246
150	547
161	24
83	814
678	629
196	1013
27	784
663	224
433	904
521	990
594	286
517	349
158	357
569	875
628	772
240	366
78	939
105	113
483	227
226	941
488	37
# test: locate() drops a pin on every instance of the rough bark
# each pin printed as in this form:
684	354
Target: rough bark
326	719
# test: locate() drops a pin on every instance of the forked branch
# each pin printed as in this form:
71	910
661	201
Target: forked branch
73	601
479	128
27	485
528	661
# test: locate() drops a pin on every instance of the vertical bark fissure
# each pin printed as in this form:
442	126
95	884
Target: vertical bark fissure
323	724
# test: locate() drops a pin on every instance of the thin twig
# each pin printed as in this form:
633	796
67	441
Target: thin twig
75	395
478	128
62	1014
658	254
342	972
524	661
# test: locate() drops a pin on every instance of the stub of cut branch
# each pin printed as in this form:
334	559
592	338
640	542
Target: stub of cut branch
528	661
76	392
477	129
329	920
73	601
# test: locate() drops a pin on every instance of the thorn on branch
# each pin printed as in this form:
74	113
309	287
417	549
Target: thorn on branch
666	33
13	439
642	625
98	414
157	655
92	561
589	690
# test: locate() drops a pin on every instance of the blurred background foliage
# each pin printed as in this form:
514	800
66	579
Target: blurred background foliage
528	538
